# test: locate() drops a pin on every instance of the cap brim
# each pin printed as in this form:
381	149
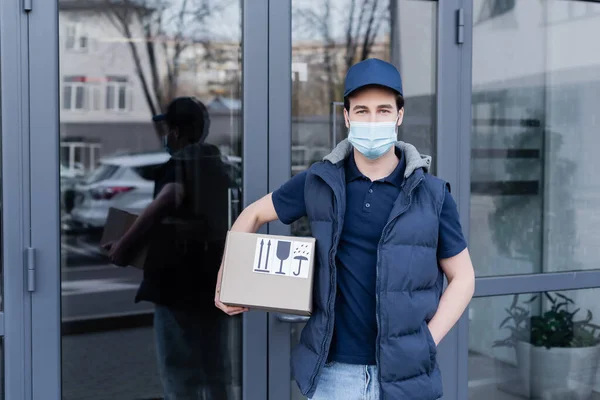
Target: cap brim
159	117
383	85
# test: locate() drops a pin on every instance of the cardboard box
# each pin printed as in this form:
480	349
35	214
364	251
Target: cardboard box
267	272
117	224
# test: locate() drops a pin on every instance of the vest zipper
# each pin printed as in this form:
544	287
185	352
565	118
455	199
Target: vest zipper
332	290
383	234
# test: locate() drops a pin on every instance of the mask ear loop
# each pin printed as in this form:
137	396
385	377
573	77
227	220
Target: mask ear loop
397	127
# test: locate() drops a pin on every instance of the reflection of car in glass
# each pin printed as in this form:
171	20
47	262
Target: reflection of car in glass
75	171
69	177
125	182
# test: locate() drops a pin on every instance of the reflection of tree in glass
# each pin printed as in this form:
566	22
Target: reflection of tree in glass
162	34
347	32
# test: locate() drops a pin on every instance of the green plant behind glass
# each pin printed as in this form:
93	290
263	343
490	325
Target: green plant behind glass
554	328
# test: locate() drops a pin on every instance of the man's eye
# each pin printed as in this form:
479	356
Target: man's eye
360	111
384	111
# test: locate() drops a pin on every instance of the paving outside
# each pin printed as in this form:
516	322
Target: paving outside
117	365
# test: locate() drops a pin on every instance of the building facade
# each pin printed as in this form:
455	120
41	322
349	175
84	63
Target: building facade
502	93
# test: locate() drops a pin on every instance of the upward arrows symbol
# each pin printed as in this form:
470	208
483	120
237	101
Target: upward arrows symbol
267	258
262	242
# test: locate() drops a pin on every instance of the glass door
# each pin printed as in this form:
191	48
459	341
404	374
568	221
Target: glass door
137	115
534	201
320	40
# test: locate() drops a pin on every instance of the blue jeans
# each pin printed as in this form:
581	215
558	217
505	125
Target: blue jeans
192	356
340	381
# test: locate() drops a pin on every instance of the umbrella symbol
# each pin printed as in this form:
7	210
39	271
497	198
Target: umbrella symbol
300	254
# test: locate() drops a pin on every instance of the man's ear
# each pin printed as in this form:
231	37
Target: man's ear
346	118
400	116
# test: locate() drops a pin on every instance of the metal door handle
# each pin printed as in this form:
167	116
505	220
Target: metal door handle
232	203
229	198
292	319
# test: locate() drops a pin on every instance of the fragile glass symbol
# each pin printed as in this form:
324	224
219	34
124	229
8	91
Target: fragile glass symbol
283	253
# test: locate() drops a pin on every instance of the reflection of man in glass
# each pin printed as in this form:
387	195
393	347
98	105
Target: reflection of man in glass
387	232
185	226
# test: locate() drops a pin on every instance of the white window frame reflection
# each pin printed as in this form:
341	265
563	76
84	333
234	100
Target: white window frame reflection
74	85
117	88
75	39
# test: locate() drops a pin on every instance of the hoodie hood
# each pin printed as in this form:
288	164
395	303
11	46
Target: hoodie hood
414	160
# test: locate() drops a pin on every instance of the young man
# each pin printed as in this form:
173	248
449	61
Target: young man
387	232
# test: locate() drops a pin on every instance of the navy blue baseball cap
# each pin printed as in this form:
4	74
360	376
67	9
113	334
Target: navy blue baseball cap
373	71
183	110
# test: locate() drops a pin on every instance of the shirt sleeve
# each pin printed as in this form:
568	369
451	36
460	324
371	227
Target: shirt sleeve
164	175
289	199
451	240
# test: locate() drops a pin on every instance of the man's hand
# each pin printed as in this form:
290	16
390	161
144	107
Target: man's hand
117	253
226	309
250	220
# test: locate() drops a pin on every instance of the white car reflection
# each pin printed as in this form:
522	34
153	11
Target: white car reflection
126	182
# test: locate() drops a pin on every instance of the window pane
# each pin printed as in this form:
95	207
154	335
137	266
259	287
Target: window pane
110	97
83	41
534	190
70	37
79	97
67	93
97	94
122	97
527	347
110	330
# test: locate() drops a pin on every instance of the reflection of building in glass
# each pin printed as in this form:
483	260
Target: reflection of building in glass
114	76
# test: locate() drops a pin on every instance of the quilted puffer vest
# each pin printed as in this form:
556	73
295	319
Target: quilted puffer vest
409	280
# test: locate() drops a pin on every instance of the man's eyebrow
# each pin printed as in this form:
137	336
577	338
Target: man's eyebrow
389	106
360	107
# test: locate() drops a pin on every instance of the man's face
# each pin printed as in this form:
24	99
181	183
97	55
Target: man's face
373	104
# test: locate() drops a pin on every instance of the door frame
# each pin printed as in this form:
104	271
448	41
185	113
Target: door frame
280	122
453	119
44	225
15	320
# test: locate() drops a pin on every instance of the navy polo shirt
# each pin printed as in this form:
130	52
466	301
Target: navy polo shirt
368	206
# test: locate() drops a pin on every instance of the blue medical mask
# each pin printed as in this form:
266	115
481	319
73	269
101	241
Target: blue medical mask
372	139
165	142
